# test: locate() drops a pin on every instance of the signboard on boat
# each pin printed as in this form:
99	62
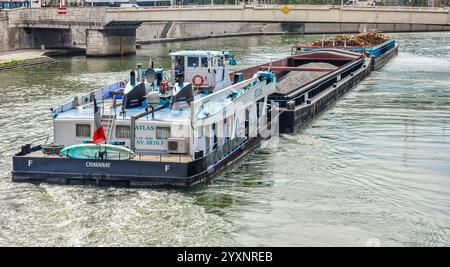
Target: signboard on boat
146	138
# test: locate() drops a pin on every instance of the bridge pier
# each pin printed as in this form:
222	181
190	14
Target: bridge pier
110	42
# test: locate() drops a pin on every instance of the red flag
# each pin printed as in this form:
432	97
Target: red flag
99	133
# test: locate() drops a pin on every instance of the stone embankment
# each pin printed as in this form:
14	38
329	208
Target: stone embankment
23	58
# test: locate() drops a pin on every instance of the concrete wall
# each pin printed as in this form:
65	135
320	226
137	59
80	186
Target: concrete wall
312	28
273	14
99	43
196	29
50	38
78	35
25	38
151	31
94	18
13	38
18	38
3	33
110	42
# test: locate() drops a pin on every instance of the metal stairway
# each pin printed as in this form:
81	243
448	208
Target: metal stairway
166	29
108	126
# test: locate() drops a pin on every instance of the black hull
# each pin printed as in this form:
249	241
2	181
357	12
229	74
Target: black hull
125	173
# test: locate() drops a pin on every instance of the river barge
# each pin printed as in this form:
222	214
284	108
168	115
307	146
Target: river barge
175	128
379	47
357	56
182	127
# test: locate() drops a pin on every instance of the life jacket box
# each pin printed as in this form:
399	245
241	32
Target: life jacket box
164	86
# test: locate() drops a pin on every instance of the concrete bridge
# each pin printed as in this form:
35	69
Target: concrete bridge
233	13
275	13
109	31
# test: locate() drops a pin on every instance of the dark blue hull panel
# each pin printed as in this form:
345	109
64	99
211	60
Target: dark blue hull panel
129	173
26	168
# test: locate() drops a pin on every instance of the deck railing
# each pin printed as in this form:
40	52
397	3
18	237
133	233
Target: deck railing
98	94
172	158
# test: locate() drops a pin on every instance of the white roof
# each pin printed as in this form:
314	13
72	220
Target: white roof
198	53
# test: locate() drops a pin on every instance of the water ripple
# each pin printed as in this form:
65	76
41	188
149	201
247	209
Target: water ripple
374	166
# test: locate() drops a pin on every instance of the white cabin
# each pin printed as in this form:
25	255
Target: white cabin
212	120
209	67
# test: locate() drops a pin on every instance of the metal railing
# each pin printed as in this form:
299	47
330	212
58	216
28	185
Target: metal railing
174	158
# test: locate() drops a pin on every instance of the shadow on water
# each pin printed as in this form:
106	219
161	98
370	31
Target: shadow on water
245	183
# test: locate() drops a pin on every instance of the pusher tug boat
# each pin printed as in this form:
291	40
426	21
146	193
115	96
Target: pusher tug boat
182	126
174	128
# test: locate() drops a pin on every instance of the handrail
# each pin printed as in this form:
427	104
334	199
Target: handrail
161	157
274	6
99	93
223	92
46	139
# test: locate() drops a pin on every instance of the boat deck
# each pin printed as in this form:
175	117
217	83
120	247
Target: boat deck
299	70
85	111
295	79
39	154
172	158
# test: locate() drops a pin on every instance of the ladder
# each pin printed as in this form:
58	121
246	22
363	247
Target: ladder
108	121
108	126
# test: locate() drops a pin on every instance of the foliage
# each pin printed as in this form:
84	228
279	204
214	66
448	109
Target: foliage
10	63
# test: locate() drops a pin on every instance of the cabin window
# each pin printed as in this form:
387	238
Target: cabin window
204	62
123	131
192	62
179	64
83	130
162	132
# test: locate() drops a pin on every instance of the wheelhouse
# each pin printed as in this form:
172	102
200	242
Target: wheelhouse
204	69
